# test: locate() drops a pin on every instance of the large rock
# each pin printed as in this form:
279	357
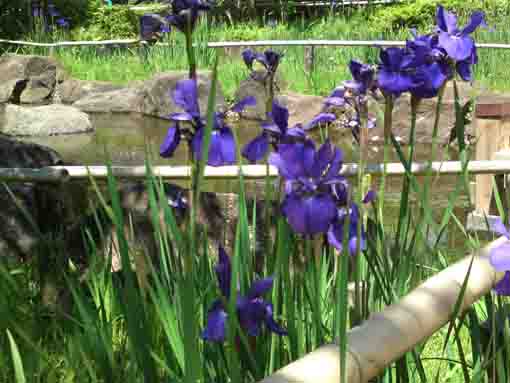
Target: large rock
124	100
38	74
157	93
152	97
43	120
72	90
302	108
17	236
254	85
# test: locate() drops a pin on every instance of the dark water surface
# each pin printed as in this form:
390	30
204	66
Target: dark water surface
128	139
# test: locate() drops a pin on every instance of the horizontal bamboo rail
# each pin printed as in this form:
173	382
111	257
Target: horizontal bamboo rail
65	173
233	44
389	334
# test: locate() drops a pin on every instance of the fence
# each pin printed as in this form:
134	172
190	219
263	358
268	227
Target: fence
309	45
56	174
399	327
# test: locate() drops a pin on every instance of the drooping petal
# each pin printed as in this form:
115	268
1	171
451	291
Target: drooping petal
321	118
223	272
215	157
503	286
394	83
370	196
260	287
464	70
171	141
294	160
256	149
498	227
216	326
309	215
271	323
248	57
228	146
241	105
251	313
500	257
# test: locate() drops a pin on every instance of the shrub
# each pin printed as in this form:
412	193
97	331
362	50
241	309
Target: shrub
421	13
117	21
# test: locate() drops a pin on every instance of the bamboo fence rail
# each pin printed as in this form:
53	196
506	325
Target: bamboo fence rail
387	335
233	44
66	173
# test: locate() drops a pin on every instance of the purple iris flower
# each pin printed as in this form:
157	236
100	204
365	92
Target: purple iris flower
336	98
269	59
336	231
52	10
222	150
150	24
252	310
432	68
277	131
310	178
500	258
186	12
397	71
63	22
362	77
457	43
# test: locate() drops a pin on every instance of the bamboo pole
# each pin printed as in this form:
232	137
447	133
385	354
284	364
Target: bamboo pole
233	44
387	335
52	174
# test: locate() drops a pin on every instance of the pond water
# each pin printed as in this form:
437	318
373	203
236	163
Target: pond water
129	139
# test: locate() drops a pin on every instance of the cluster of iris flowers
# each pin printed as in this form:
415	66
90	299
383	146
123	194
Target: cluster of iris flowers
52	14
317	198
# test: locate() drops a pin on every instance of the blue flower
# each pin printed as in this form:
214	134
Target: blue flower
457	43
269	59
252	310
185	12
151	24
362	77
277	131
311	178
397	71
222	150
500	258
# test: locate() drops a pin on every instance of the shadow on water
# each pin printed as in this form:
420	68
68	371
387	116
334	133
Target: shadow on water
127	140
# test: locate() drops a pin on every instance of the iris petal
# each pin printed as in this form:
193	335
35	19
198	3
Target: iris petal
477	19
321	118
186	96
280	116
260	287
256	149
171	141
216	325
499	227
457	47
500	257
503	286
241	105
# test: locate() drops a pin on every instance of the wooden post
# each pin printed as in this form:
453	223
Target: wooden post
493	135
309	58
